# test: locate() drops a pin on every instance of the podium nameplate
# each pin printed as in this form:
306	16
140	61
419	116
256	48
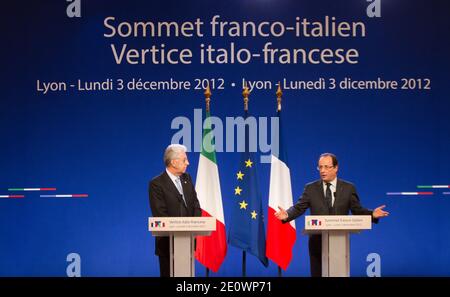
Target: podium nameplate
349	223
181	231
197	225
335	232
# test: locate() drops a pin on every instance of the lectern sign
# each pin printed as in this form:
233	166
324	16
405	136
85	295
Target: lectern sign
335	232
182	231
181	223
338	222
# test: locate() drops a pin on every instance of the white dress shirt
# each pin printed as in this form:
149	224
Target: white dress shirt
174	179
332	188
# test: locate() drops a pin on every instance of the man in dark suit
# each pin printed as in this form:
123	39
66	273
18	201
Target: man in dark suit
172	194
327	196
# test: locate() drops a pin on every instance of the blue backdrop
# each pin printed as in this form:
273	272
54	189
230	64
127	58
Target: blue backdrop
109	144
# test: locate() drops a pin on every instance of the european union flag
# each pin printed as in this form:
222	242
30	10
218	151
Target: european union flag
247	221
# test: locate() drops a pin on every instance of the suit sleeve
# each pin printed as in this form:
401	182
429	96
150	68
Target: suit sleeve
158	204
356	207
300	207
197	208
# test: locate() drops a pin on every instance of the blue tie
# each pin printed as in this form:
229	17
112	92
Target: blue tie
180	188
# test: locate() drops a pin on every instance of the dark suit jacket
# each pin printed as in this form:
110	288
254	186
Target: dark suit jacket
166	201
346	200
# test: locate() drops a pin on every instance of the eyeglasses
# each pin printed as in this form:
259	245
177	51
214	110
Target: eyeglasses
326	167
184	160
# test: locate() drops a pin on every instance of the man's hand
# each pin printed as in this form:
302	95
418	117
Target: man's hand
379	212
281	214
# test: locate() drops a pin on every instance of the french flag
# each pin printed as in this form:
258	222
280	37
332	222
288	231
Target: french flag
280	237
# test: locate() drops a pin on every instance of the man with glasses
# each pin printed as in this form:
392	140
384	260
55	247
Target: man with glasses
172	194
327	196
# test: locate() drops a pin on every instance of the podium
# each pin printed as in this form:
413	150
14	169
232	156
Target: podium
182	232
335	232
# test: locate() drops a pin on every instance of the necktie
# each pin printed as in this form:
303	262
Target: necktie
328	197
180	188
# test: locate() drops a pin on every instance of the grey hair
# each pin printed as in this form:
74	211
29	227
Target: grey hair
172	152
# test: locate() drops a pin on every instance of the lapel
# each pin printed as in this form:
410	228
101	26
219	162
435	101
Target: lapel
173	188
339	189
321	193
183	180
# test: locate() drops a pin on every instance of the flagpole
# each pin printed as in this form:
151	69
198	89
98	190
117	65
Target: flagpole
244	259
279	93
245	94
207	101
207	97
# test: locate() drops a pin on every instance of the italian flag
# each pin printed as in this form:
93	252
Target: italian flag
211	250
280	237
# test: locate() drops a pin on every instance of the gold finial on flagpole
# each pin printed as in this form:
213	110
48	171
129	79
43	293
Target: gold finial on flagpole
207	97
279	94
245	94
